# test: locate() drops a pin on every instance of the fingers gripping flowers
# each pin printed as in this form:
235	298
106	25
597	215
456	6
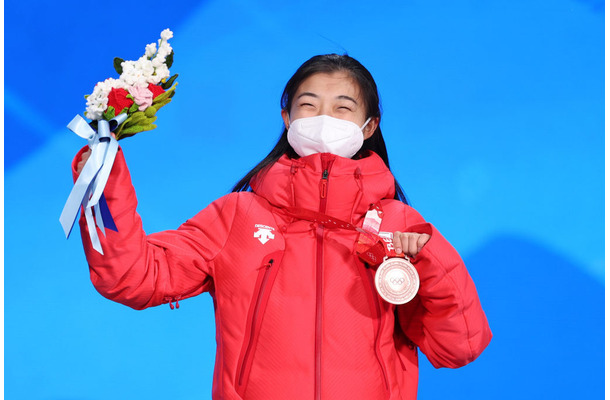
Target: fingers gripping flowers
143	87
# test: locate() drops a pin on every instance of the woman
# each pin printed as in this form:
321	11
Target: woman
298	315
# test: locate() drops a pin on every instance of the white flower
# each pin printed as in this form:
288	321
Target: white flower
164	49
137	73
151	49
167	34
161	73
145	66
110	83
158	62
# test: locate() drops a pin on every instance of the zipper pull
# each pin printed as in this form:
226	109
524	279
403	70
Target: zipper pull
323	188
267	265
170	300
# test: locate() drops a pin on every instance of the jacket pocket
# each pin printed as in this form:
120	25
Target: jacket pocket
260	297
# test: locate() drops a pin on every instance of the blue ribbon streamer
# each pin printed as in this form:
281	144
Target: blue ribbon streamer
88	190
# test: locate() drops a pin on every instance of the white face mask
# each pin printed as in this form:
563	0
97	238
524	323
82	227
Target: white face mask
325	134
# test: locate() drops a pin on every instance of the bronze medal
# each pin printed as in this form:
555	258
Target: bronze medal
396	280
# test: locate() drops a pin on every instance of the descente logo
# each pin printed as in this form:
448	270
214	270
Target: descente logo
264	233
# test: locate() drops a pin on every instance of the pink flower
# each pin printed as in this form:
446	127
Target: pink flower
142	96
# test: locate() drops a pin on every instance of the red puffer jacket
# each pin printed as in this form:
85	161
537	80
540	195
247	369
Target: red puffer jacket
297	313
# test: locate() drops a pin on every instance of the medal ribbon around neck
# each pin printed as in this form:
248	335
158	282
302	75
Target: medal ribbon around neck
396	279
370	247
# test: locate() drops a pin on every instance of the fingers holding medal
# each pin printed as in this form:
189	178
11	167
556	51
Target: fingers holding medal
409	243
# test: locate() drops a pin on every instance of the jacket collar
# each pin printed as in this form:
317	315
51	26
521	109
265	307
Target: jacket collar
350	188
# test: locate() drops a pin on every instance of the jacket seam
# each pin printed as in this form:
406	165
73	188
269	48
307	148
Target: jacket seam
228	235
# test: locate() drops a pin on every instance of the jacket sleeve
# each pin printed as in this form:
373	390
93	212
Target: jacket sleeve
141	270
445	320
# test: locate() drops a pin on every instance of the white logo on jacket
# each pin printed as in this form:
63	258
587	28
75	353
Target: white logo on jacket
264	233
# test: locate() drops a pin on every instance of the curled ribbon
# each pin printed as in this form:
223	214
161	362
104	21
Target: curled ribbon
88	189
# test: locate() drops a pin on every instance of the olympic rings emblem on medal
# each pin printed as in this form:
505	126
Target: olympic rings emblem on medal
397	281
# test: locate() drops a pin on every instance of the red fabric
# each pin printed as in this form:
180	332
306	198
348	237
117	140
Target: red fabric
266	312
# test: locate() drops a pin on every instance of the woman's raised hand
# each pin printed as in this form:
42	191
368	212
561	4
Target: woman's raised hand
83	161
409	242
85	157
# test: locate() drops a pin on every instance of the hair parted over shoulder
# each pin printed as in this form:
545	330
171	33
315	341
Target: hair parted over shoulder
328	63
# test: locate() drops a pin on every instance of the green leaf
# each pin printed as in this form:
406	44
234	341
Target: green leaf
166	85
169	60
134	107
150	111
141	120
117	65
161	104
138	128
109	113
123	136
87	96
135	118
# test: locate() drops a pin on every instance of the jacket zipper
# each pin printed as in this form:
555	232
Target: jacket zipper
326	164
378	333
255	317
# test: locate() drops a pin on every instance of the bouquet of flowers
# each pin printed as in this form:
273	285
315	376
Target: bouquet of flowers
143	87
126	106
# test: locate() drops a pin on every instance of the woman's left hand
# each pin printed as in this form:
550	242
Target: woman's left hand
409	242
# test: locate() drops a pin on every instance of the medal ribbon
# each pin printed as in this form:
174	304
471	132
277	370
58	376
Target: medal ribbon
370	247
88	190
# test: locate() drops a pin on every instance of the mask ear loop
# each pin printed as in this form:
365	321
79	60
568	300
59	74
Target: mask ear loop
366	123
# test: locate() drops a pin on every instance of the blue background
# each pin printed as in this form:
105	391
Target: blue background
494	119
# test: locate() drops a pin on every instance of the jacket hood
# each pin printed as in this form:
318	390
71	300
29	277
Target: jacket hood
351	186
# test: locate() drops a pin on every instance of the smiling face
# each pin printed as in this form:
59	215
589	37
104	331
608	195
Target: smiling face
334	94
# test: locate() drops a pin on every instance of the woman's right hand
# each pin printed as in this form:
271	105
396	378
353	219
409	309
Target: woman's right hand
85	157
83	161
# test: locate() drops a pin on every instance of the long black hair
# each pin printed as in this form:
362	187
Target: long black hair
329	63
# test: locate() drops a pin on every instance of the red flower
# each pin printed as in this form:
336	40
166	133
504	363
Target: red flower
155	89
117	98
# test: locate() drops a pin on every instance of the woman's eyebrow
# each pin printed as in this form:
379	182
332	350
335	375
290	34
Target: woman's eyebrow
344	97
340	97
307	94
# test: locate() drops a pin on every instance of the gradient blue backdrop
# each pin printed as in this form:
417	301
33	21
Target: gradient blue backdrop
494	118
